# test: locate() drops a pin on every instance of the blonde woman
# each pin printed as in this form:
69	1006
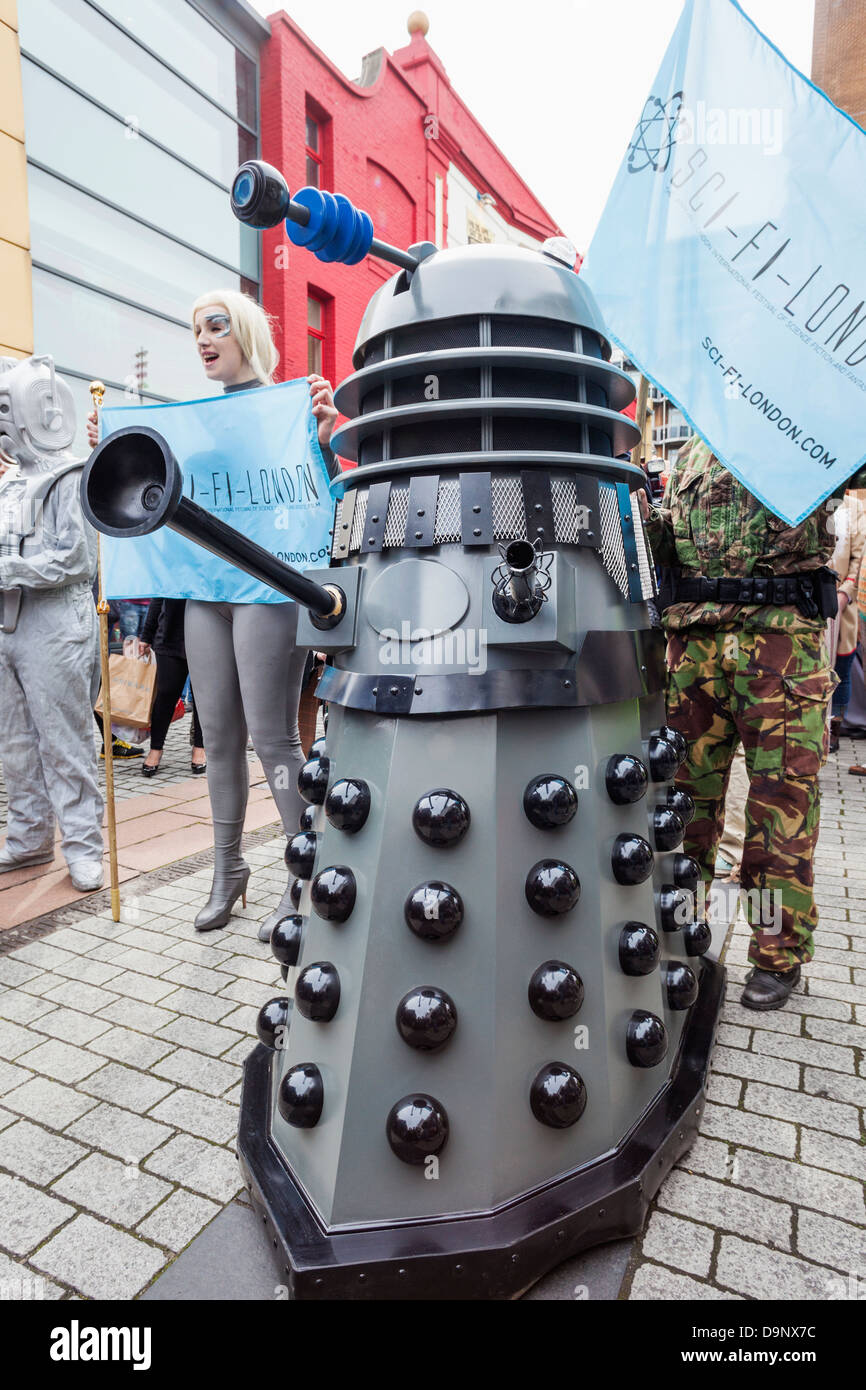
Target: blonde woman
245	666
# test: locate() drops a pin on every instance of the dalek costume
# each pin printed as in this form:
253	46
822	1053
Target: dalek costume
497	1036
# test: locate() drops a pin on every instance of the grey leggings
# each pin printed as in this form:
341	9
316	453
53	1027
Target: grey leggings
246	672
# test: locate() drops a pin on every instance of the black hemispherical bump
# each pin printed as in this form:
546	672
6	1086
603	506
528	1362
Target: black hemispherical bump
676	907
295	892
646	1041
552	888
639	949
347	805
663	758
557	1096
426	1018
625	778
681	985
317	747
313	780
682	803
686	872
549	801
555	991
307	818
441	817
433	911
333	893
286	939
697	938
417	1126
301	1095
317	991
301	854
668	828
272	1021
631	859
677	739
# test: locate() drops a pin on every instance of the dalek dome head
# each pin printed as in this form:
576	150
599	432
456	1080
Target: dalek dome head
482	280
482	350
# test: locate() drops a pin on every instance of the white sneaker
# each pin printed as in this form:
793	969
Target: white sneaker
8	861
87	874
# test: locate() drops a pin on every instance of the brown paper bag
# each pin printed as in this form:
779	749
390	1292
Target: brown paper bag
133	689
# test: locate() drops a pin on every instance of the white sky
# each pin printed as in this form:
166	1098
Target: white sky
558	85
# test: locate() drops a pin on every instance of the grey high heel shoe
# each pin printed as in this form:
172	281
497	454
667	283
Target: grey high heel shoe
228	886
285	908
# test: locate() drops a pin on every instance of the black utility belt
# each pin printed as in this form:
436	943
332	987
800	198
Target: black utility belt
813	592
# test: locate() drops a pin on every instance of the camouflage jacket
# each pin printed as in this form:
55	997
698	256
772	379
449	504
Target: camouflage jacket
709	524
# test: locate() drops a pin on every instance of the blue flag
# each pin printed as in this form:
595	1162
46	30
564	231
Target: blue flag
252	458
728	262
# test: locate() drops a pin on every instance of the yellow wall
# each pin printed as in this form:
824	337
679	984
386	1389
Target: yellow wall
16	301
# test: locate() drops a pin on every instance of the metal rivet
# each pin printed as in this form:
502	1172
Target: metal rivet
567	685
477	531
538	506
375	690
394	690
419	691
420	511
418	535
476	510
374	518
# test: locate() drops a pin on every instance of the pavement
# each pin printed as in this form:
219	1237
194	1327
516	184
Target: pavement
122	1046
159	820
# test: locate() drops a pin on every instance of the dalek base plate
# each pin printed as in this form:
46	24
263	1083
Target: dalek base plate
496	1256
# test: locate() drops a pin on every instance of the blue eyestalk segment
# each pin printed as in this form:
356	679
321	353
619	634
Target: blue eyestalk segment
327	224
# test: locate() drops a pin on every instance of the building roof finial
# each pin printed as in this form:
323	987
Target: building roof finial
418	23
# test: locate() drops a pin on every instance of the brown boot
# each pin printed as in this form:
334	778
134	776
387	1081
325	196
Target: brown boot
835	725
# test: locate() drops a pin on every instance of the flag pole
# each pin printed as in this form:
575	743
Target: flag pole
640	418
97	391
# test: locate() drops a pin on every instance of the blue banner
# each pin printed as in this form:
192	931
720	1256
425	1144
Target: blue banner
252	458
728	262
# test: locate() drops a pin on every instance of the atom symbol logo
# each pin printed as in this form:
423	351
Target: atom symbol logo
655	135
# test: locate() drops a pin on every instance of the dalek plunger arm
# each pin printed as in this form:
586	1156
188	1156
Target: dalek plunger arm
132	486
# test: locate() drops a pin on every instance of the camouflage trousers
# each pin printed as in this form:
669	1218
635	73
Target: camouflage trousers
769	690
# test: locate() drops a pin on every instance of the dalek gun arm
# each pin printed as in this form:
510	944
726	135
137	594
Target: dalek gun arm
133	485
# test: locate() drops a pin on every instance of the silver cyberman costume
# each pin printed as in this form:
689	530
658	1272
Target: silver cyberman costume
49	654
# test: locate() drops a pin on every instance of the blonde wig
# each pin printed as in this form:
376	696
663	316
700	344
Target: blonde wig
251	327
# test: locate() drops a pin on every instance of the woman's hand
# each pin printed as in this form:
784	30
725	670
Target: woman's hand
92	430
643	502
843	601
324	410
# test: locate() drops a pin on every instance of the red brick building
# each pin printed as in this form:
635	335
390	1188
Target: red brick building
401	144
